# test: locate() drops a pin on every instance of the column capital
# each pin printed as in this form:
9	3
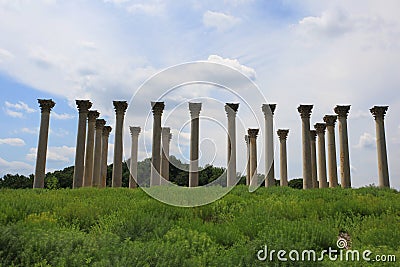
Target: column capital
93	115
246	139
268	109
157	108
320	128
46	104
231	108
342	111
252	133
379	112
165	131
313	135
282	133
135	130
330	120
100	124
194	109
107	130
120	107
305	111
83	105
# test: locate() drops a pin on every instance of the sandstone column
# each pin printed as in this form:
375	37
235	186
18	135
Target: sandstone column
283	156
305	113
253	155
165	141
330	121
45	106
104	155
342	112
194	144
157	108
231	109
379	113
246	138
320	128
96	181
268	110
135	131
313	139
83	107
92	116
120	108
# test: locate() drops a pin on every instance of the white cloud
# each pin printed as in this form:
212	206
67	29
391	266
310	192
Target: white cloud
13	167
14	114
12	141
61	154
219	21
30	130
149	9
234	63
63	116
5	55
367	141
20	106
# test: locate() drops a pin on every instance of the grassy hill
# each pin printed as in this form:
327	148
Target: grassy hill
122	227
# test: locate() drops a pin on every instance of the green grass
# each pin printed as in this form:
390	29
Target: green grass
122	227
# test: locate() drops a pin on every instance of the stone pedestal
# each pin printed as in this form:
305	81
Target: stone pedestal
379	113
45	106
92	116
83	107
135	131
248	175
157	108
283	156
98	146
120	108
330	121
320	128
231	109
313	139
104	155
342	112
253	155
268	110
305	113
165	141
194	144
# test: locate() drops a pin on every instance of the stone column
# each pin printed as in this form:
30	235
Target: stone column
379	113
313	139
246	138
92	116
120	108
268	110
283	156
135	131
253	155
45	106
231	109
194	144
165	140
83	107
305	113
104	155
320	128
342	112
98	146
330	121
158	108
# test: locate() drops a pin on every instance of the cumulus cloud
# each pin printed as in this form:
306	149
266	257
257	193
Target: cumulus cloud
54	153
63	116
367	141
13	167
12	141
234	63
219	20
17	110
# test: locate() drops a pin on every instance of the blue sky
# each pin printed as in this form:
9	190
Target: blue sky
319	52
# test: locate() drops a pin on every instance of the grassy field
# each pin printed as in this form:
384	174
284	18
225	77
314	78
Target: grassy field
122	227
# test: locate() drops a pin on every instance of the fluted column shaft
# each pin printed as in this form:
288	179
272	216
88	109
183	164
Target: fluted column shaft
135	131
320	128
314	177
98	146
342	112
120	108
268	110
248	175
104	155
157	108
330	121
165	141
194	144
253	155
305	113
88	177
40	171
231	109
283	156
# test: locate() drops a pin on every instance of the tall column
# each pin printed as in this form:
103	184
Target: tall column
342	112
165	140
231	109
253	155
92	116
96	181
45	106
248	176
379	113
268	110
320	128
313	139
104	155
330	121
135	131
305	113
157	108
283	156
120	108
83	107
194	144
